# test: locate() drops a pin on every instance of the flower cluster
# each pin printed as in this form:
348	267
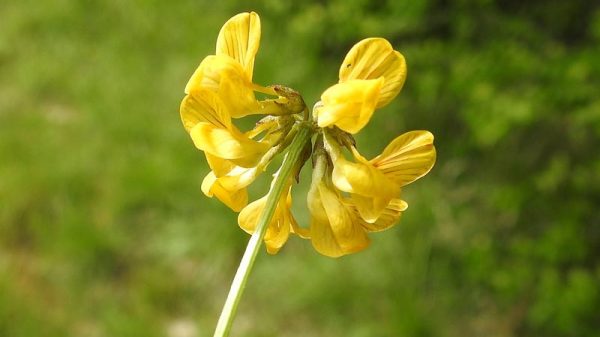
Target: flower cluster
349	195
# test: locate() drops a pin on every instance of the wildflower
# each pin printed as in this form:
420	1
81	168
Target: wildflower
349	195
371	75
229	72
206	118
372	184
336	226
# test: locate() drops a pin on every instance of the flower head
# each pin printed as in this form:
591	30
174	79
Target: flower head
349	196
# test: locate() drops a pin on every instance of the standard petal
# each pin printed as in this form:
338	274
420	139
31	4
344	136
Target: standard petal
349	105
227	144
203	106
239	38
408	157
373	58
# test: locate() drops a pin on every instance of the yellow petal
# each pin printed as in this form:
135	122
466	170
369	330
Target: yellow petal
236	200
227	144
323	239
226	77
208	183
219	166
370	208
334	229
279	227
349	105
239	177
300	231
203	106
236	179
389	217
372	58
209	72
370	188
239	38
239	98
248	217
212	69
408	157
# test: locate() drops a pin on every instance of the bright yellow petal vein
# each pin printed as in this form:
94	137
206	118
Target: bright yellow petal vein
239	38
372	58
408	157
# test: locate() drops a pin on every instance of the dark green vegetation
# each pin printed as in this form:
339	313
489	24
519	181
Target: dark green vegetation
104	230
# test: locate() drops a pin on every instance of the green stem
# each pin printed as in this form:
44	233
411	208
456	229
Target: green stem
241	276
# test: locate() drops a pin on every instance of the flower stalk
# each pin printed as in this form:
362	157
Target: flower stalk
292	156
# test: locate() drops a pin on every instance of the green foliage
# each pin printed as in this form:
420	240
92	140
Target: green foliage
104	230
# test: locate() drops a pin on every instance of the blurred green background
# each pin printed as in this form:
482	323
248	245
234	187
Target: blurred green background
104	230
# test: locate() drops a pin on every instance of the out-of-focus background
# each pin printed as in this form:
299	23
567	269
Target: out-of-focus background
104	230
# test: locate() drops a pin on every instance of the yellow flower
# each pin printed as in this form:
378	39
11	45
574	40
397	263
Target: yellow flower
371	75
229	72
372	184
235	158
348	197
281	225
220	89
206	118
336	227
